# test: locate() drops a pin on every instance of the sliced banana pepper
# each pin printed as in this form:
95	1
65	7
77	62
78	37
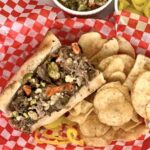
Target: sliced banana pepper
141	7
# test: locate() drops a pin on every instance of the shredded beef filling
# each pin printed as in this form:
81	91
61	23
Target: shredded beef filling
50	87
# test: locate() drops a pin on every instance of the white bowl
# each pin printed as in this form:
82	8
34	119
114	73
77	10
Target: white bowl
116	6
81	13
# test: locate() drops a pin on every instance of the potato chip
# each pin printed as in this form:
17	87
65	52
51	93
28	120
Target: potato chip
112	107
118	86
128	61
106	96
136	118
92	127
90	98
91	43
109	67
142	64
148	111
132	134
109	135
109	48
130	125
105	62
117	115
125	47
140	94
117	76
100	141
112	67
82	107
80	119
115	128
80	112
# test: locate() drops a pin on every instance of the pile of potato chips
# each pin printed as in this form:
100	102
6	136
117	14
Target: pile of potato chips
120	109
141	7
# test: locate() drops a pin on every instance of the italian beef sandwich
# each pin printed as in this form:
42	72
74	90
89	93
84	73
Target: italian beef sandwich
49	84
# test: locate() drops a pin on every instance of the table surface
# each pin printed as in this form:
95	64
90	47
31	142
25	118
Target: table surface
101	15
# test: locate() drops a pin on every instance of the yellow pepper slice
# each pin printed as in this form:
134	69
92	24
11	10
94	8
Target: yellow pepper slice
55	124
147	9
131	9
138	7
58	123
45	141
53	136
72	135
123	4
139	2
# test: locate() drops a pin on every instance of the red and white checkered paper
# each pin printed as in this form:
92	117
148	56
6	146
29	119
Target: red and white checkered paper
23	24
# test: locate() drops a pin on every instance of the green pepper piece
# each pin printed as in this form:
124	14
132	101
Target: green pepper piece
53	71
27	76
54	74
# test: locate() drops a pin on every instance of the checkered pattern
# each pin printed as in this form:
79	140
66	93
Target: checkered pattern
23	24
136	29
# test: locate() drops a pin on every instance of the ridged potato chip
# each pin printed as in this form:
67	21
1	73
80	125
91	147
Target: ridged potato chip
125	47
116	115
112	67
128	61
115	128
112	107
109	135
117	85
81	107
100	141
80	119
109	48
105	97
92	127
105	62
148	111
112	71
91	43
141	95
130	125
142	64
132	134
136	117
117	76
80	112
